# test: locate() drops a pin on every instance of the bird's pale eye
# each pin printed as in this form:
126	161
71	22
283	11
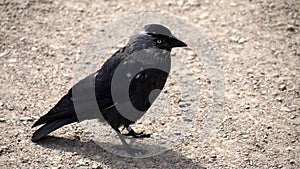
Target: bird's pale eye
158	41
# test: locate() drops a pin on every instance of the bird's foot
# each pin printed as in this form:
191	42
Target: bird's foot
132	133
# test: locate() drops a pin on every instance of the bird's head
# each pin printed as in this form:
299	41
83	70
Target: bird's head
154	36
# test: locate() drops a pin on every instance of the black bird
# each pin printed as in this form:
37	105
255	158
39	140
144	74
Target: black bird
124	87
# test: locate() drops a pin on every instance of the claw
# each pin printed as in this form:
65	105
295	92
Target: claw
132	133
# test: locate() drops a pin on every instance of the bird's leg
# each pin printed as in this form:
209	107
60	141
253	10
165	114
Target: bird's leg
132	133
131	151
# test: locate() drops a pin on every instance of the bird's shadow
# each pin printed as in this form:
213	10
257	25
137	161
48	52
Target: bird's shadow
89	149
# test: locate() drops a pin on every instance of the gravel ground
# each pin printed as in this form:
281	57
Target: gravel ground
258	44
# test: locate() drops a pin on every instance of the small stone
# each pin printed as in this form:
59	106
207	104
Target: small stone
289	148
180	2
191	53
285	109
186	119
246	106
233	4
292	161
245	136
241	41
279	166
78	19
234	39
80	9
3	148
177	133
291	29
94	166
13	60
195	70
81	162
279	99
213	156
272	5
3	54
2	120
246	154
190	57
25	160
297	52
203	15
194	2
26	118
34	48
23	38
282	87
181	104
13	28
51	53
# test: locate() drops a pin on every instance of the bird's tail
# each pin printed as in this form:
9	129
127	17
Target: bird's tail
51	126
61	114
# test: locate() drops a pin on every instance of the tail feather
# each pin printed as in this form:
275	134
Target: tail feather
53	116
63	109
61	114
49	127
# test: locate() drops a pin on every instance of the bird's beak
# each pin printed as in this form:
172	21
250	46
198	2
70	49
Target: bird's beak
174	42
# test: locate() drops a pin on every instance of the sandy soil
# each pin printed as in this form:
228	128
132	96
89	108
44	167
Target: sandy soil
259	46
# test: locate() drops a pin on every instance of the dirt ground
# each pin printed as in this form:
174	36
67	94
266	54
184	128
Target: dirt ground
259	45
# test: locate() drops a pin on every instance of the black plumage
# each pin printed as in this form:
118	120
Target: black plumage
147	51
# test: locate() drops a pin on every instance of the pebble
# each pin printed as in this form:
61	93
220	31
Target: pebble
187	119
80	9
279	99
292	161
213	156
2	120
95	166
272	5
23	38
25	160
13	60
237	39
289	148
81	162
233	4
34	48
195	70
291	29
190	57
13	28
241	41
297	52
3	54
246	106
184	104
3	148
245	136
282	87
234	38
180	2
203	15
285	109
79	19
51	53
26	118
193	2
